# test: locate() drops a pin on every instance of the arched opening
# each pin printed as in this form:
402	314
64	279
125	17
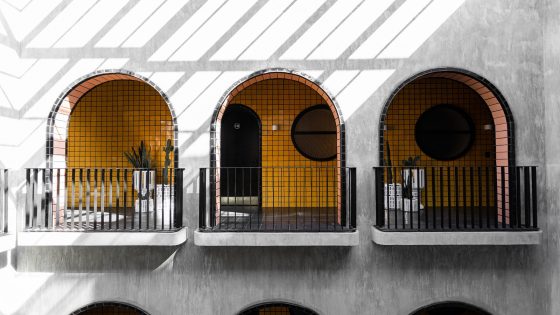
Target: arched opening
111	156
277	308
296	179
447	156
450	308
109	308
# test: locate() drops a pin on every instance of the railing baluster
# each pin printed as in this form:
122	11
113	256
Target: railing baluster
441	196
95	197
471	193
456	170
126	210
88	192
534	194
503	188
464	180
118	183
488	197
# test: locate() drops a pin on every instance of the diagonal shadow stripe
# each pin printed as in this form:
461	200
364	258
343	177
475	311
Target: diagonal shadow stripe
234	29
112	22
44	22
302	29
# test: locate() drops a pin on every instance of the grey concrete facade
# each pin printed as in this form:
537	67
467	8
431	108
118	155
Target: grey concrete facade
512	43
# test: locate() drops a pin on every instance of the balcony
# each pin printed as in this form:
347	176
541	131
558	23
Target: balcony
456	206
102	206
277	206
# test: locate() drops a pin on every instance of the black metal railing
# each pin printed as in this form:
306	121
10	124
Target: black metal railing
103	199
296	199
3	201
456	198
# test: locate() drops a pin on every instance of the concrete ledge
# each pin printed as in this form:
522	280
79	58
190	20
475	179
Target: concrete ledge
102	238
276	239
456	238
7	242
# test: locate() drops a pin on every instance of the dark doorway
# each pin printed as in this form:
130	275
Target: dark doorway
240	178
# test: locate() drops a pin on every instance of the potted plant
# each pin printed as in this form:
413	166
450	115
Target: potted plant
413	181
141	159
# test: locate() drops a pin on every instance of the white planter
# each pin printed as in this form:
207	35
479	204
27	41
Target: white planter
147	205
411	204
392	196
140	182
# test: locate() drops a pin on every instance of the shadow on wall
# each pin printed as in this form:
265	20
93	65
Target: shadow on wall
92	259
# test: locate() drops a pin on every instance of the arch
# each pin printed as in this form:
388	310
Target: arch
494	118
450	308
277	308
257	80
274	73
110	308
499	108
59	117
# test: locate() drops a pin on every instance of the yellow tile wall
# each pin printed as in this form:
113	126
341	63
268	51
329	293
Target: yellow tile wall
279	101
422	94
113	117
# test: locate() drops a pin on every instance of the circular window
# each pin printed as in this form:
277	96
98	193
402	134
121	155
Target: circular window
444	132
314	133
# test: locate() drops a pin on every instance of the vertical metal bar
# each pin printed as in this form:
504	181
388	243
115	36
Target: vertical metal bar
179	198
441	195
72	225
48	197
495	186
421	179
28	203
118	183
379	198
125	195
33	199
154	199
456	170
110	201
202	199
479	197
503	183
5	205
95	197
141	184
88	193
434	207
534	195
41	204
471	192
449	197
353	198
148	184
487	189
80	198
464	190
58	206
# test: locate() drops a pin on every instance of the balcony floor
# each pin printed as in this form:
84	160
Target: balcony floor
74	220
292	219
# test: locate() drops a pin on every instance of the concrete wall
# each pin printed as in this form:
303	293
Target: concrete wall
501	40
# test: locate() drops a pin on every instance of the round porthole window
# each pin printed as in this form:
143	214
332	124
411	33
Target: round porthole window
444	132
314	133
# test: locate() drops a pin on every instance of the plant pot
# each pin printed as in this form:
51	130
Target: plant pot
410	204
147	205
140	183
392	196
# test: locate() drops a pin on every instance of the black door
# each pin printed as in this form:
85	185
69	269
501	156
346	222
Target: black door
240	156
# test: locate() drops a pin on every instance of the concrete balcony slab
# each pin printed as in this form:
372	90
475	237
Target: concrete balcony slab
101	238
456	238
276	238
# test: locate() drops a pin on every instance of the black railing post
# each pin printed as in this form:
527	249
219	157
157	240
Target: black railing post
5	205
353	198
379	198
178	219
202	199
534	194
